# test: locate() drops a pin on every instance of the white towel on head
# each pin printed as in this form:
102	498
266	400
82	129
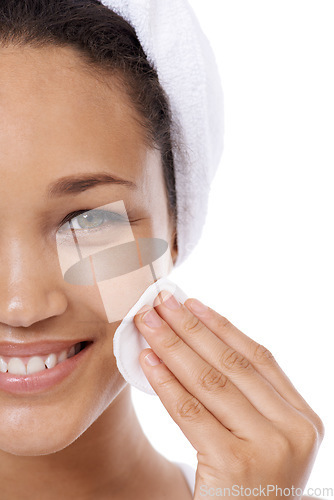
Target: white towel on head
128	342
181	54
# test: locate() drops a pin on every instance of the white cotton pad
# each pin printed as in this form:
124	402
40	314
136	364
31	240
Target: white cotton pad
129	342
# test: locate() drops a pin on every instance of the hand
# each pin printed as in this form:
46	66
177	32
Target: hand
231	399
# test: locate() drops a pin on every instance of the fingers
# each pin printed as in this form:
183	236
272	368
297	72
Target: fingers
219	364
199	378
188	413
212	381
260	357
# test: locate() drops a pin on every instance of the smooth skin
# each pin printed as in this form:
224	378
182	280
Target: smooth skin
230	398
82	439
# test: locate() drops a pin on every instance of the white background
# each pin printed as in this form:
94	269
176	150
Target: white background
265	259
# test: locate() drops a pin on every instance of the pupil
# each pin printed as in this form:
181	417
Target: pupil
90	220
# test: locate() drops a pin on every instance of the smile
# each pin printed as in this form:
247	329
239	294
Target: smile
36	372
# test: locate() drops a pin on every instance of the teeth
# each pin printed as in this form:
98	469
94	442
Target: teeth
71	352
62	356
16	366
3	365
35	364
51	361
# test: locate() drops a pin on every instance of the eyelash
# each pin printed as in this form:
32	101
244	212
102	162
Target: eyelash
120	218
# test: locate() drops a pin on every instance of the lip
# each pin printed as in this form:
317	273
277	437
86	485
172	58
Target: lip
44	380
36	348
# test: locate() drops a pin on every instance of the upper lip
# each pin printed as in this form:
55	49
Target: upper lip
36	348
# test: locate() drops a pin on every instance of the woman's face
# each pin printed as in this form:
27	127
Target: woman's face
57	121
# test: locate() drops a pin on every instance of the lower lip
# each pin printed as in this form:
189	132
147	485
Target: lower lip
41	381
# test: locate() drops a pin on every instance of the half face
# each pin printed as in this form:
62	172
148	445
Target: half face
69	144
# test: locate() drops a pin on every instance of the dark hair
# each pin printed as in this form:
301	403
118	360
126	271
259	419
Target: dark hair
107	43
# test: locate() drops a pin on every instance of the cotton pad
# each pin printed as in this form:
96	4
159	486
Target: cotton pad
129	342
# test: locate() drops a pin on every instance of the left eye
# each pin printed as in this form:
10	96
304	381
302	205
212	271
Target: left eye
91	220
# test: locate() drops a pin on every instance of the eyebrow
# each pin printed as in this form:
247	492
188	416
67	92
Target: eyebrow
73	184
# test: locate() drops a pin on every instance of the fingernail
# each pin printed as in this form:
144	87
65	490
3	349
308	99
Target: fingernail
152	319
151	359
168	300
197	306
144	309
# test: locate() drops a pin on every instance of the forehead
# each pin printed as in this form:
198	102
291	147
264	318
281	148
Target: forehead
61	70
57	117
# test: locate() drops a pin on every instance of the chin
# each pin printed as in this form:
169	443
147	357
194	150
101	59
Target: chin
40	432
23	442
29	449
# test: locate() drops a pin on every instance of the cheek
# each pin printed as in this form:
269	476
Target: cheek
138	262
85	306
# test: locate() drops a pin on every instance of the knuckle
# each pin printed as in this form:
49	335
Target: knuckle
262	355
320	427
318	423
309	435
212	379
172	342
280	447
233	360
189	408
222	323
165	382
191	325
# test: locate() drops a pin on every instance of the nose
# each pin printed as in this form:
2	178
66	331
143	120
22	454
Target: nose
30	284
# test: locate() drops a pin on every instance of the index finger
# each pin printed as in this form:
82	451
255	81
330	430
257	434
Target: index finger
261	358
